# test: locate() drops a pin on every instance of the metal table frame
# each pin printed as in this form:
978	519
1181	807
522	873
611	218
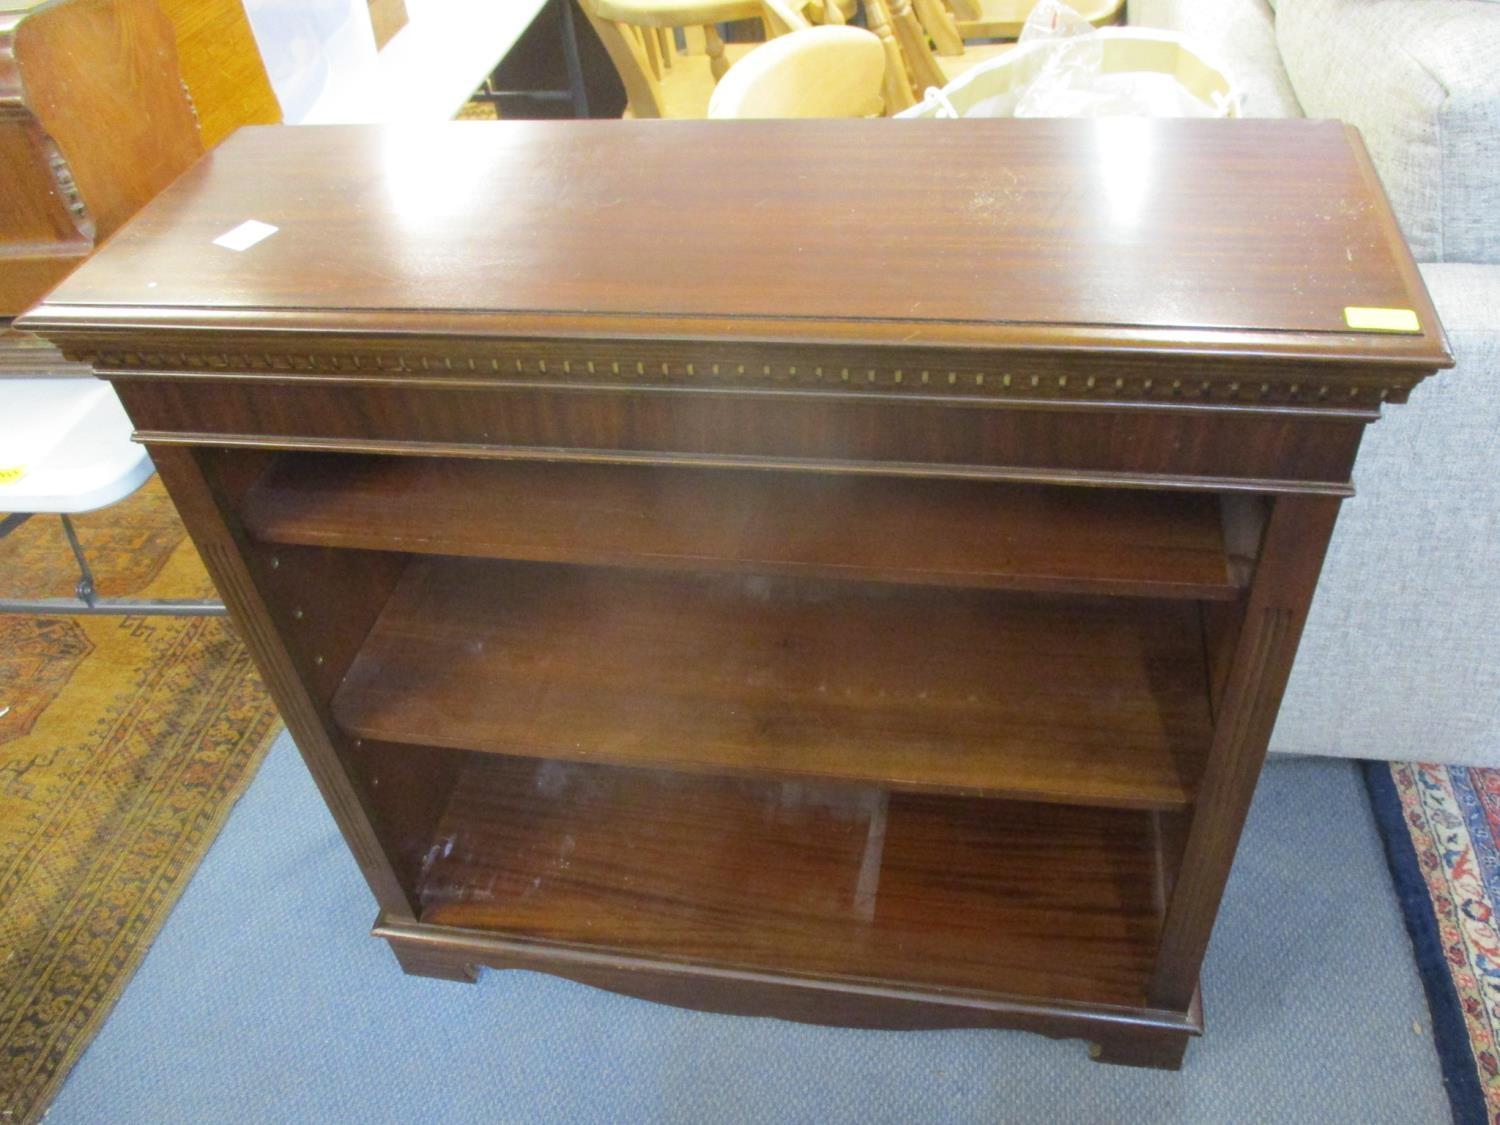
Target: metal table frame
576	94
86	600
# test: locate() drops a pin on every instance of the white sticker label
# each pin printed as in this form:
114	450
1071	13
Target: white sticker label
246	235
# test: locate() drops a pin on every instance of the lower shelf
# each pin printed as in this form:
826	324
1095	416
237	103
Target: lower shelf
847	883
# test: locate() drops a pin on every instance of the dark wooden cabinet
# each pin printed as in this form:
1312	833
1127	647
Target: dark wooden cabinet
845	571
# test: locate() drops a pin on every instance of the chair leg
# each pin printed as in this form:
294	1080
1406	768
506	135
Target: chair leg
85	588
717	63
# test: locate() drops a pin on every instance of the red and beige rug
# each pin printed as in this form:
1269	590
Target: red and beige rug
1441	828
124	742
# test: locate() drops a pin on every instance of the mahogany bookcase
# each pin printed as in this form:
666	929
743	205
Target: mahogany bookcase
844	571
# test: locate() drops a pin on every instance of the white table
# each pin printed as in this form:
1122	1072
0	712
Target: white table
429	68
65	448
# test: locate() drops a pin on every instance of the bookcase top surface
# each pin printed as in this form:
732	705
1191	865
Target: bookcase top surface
1221	236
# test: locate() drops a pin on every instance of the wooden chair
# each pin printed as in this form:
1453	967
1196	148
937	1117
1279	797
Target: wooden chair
221	66
94	121
662	81
832	11
811	72
913	63
783	18
1003	19
640	36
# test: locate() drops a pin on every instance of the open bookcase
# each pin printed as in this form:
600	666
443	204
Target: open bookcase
934	736
843	571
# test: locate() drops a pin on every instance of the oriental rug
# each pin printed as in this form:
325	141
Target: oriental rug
1441	830
124	742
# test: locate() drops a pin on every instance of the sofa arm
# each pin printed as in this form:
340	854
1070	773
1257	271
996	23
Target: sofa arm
1419	78
1401	657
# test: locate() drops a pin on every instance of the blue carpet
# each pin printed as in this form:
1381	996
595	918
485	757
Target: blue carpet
263	1000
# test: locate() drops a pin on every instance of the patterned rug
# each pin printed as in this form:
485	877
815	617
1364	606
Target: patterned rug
126	743
1441	827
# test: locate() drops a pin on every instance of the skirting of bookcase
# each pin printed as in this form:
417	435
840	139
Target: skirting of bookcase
1131	1037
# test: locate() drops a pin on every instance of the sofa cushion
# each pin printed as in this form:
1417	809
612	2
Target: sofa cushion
1401	655
1239	37
1421	81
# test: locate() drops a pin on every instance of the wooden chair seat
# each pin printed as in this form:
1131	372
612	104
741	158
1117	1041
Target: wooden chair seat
688	84
815	72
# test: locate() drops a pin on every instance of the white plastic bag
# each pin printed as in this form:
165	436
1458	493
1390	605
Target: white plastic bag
1063	66
1073	81
1073	84
1052	19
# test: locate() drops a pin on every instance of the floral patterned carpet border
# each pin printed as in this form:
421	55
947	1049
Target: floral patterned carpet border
1441	828
125	744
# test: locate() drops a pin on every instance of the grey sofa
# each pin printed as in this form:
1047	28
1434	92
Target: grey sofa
1401	658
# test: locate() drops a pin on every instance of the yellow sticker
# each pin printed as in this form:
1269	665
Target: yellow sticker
12	474
1381	320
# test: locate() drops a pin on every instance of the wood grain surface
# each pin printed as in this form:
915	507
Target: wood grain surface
945	533
882	433
42	237
221	67
1089	700
102	78
932	229
839	882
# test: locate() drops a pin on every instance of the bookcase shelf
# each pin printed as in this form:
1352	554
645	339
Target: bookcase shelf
979	693
906	890
872	527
